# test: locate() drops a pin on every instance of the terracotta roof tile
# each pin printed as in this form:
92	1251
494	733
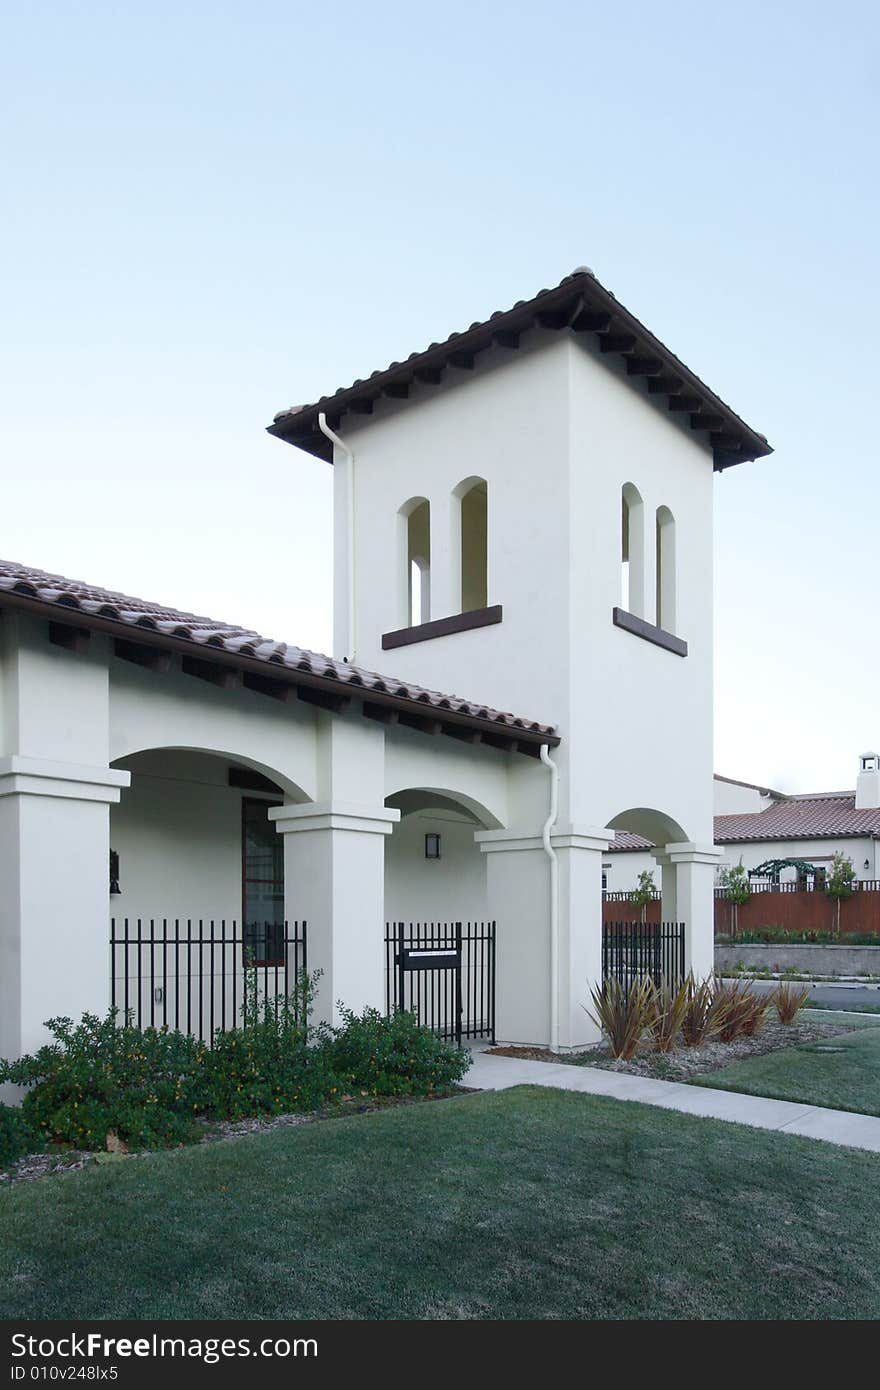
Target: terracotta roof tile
54	591
800	818
817	816
580	304
625	840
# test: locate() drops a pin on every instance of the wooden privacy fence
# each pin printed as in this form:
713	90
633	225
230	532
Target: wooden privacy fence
788	906
619	907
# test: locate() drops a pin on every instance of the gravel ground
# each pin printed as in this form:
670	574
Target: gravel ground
689	1061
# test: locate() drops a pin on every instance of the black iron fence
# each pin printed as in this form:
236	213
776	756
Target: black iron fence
631	950
196	975
444	973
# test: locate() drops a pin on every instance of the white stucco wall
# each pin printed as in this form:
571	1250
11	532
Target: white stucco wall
149	710
556	430
449	889
177	831
735	799
55	793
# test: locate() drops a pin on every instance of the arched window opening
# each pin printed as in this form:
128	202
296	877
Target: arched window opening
632	552
473	503
665	569
418	562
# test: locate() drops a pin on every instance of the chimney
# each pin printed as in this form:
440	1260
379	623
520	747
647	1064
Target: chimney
868	785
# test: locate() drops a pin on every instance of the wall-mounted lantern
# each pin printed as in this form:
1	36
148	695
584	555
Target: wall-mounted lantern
432	846
114	872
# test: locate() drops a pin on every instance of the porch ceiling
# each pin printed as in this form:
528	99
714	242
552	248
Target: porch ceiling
151	636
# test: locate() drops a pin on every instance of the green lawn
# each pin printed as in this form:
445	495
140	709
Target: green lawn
844	1078
518	1204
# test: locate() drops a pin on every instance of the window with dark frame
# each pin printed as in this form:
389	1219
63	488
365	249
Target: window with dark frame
262	885
432	845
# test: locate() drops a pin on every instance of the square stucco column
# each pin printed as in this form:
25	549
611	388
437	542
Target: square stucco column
667	885
518	900
334	877
694	867
521	899
54	871
579	853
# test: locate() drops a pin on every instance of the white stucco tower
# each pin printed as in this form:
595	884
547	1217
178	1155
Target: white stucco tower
523	515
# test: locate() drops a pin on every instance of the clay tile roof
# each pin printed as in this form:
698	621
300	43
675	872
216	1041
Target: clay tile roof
578	304
800	818
626	840
23	586
815	816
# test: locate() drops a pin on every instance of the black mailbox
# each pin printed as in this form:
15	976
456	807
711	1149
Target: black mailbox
430	958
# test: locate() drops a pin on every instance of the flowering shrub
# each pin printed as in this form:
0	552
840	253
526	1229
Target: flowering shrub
276	1063
100	1080
393	1056
16	1135
100	1076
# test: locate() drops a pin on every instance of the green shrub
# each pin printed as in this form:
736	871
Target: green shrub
266	1069
644	892
147	1087
16	1135
275	1063
841	883
99	1076
780	936
393	1056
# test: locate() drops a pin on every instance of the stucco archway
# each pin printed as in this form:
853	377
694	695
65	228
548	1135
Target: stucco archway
286	786
434	871
187	832
658	827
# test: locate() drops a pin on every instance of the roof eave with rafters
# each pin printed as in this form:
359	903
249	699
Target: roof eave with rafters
579	305
149	638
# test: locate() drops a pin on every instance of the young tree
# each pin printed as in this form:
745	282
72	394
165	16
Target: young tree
737	889
645	892
840	884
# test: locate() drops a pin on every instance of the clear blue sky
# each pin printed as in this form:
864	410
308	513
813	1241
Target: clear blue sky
212	211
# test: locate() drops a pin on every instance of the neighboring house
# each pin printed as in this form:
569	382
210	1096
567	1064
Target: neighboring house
756	825
522	513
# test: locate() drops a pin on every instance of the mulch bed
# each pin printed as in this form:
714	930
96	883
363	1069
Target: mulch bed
688	1061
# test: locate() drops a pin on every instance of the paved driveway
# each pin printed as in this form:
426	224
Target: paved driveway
839	996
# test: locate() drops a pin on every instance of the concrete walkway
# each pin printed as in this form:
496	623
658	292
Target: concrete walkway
853	1131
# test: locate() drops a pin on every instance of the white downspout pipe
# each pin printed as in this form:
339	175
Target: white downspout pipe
349	498
554	895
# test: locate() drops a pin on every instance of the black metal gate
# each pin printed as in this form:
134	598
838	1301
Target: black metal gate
444	973
631	950
195	975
